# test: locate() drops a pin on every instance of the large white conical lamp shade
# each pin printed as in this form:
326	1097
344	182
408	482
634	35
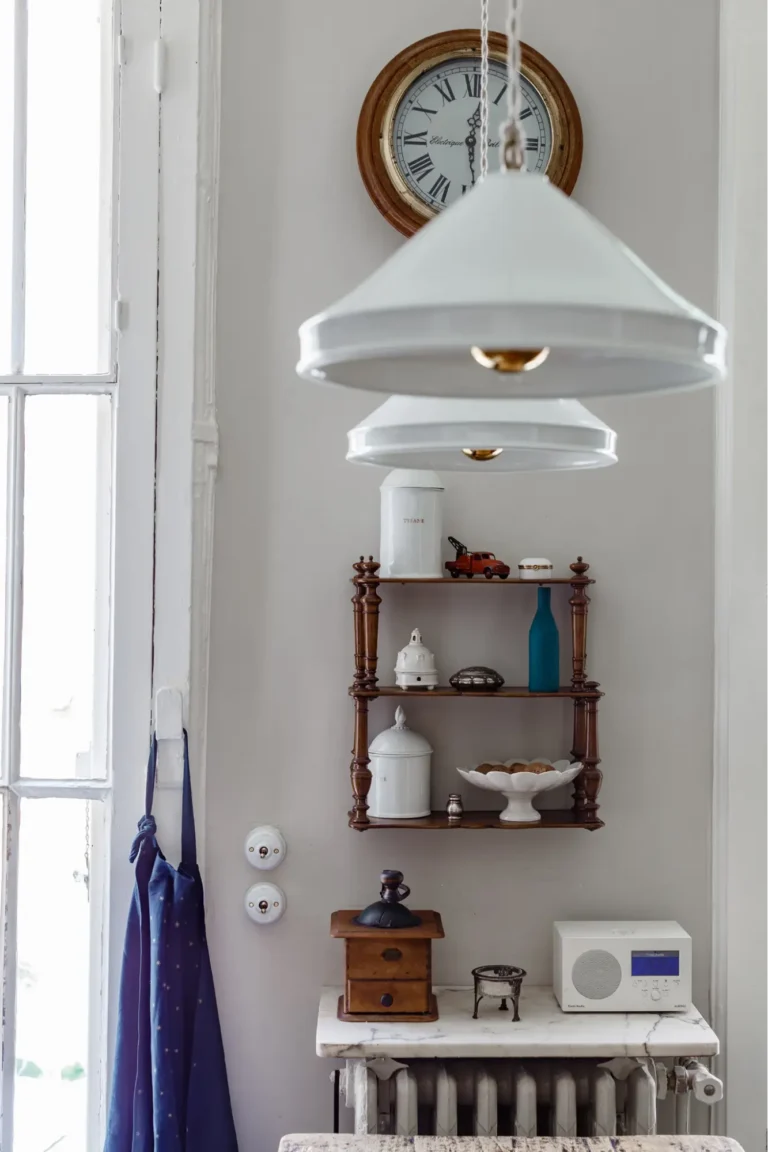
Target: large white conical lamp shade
482	436
515	267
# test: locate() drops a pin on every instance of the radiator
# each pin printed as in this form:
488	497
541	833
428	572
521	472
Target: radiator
499	1098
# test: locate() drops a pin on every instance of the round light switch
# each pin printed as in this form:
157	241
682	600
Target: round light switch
265	903
265	847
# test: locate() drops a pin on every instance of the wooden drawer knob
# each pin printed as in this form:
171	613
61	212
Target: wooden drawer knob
391	954
387	1000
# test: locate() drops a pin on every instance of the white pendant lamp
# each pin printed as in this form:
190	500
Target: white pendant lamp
515	291
482	436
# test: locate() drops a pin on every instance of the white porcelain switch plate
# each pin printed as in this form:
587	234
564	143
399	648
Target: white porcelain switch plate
265	903
265	847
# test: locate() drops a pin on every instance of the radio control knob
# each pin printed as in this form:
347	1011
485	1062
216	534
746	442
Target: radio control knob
655	994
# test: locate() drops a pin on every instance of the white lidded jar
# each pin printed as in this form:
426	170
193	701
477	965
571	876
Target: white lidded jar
400	763
411	524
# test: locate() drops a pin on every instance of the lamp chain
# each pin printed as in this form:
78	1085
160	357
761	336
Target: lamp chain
484	70
513	153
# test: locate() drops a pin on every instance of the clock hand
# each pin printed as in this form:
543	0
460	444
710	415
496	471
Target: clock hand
470	142
475	122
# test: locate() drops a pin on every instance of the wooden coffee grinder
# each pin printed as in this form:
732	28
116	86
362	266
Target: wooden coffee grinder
389	958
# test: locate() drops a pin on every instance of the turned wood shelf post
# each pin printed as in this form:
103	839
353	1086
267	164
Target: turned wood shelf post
593	777
371	601
579	603
357	609
365	606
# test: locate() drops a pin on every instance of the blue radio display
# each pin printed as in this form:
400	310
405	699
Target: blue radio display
655	963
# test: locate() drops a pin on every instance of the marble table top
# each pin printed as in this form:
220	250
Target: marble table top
323	1143
543	1030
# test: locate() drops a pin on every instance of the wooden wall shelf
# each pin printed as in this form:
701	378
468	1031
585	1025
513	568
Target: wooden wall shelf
479	580
409	694
584	694
550	818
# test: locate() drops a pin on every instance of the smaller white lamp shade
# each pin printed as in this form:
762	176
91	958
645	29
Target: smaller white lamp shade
517	275
482	436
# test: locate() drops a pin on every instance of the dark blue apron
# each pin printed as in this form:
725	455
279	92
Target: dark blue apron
169	1092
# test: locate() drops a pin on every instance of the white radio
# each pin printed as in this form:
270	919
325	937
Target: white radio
622	966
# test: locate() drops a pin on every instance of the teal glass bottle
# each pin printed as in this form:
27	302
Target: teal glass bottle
543	647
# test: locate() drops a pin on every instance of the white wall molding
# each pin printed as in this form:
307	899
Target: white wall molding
187	436
205	429
739	866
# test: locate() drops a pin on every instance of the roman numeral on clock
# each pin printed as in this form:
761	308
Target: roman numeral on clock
473	84
501	93
421	166
532	144
416	138
427	111
441	182
445	90
526	112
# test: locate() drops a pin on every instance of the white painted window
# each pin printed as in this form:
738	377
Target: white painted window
81	396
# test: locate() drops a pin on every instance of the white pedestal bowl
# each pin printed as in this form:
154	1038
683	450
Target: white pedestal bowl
519	788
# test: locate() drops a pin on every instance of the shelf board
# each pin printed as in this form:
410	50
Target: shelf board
478	578
551	818
565	693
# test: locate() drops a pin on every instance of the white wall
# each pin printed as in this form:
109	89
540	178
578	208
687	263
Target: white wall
297	229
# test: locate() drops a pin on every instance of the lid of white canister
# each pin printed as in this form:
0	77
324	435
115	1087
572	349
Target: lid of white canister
399	740
412	478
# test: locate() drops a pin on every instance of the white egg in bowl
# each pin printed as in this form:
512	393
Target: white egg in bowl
521	785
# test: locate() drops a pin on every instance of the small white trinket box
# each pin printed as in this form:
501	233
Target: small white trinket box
535	568
415	667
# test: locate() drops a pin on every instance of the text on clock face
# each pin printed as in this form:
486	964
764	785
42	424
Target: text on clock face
436	132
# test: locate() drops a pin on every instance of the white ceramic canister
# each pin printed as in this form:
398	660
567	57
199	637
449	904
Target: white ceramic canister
400	763
411	524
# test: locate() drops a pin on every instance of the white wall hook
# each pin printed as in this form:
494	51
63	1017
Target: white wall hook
169	725
265	847
169	714
265	903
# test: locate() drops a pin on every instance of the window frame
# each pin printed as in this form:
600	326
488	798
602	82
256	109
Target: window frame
164	198
738	865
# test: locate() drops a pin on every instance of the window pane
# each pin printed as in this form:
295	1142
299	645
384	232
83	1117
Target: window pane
6	179
53	974
68	181
66	586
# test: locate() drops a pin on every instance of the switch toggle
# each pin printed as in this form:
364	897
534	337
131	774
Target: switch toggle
265	903
265	847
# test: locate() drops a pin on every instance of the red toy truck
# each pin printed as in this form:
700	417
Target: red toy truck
468	563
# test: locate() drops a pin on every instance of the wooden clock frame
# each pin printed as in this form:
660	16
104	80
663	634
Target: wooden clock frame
392	197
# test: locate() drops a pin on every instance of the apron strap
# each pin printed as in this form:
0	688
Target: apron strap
149	794
188	839
147	826
147	823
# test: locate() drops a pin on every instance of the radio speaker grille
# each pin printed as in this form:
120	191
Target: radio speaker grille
596	974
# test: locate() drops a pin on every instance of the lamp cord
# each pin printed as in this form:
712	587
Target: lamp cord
513	154
484	75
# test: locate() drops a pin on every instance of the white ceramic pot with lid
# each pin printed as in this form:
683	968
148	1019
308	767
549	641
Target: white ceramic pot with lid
411	524
401	762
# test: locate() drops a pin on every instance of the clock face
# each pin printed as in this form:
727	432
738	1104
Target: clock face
434	147
418	136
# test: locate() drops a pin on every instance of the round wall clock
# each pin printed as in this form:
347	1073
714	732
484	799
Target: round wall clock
418	136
